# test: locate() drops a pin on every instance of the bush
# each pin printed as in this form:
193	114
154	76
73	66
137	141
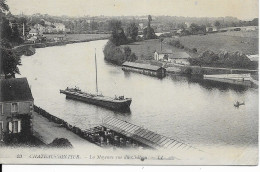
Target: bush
222	59
60	143
113	53
194	50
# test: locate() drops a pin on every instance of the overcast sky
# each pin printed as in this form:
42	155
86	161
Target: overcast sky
242	9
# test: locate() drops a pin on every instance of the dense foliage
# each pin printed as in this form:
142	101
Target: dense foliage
118	55
118	35
223	59
148	32
8	37
132	31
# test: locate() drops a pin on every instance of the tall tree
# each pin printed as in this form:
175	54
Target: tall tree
118	36
9	60
132	31
6	30
148	32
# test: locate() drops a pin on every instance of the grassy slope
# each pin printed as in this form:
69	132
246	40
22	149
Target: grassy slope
245	42
148	47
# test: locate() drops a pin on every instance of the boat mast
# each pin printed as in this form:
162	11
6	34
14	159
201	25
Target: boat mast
96	72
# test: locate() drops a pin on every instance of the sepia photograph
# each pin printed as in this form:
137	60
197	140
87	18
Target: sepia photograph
129	82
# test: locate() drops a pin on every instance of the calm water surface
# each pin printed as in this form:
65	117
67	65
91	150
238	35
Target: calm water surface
195	111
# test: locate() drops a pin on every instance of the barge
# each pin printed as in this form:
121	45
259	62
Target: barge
117	103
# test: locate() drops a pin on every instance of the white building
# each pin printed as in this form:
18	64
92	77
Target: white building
181	58
59	27
40	28
162	55
33	32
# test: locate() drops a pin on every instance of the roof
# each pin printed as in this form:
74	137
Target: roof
253	57
33	31
15	89
167	51
145	136
141	66
179	55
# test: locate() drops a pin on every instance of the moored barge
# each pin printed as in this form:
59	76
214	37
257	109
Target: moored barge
116	103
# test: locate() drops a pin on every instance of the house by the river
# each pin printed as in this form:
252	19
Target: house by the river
16	106
180	58
145	69
162	55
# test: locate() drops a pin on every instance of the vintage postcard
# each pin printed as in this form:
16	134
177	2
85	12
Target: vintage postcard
133	82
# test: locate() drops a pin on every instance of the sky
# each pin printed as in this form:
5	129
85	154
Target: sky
242	9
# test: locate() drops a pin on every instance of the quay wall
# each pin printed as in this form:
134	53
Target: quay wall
197	70
29	49
82	133
88	134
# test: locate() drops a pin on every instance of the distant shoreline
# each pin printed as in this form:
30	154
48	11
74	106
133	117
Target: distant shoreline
29	49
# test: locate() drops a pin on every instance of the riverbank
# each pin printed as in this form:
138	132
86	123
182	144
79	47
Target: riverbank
29	49
46	131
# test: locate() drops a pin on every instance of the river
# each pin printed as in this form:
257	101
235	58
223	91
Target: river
194	111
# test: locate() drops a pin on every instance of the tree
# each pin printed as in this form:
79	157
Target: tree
6	30
132	57
9	60
113	53
148	32
254	22
3	6
118	36
16	38
42	22
132	31
149	20
127	51
217	24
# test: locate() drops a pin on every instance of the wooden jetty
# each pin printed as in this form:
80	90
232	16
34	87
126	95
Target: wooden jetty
144	136
236	79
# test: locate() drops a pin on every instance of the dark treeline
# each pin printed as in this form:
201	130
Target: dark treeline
113	52
100	24
9	37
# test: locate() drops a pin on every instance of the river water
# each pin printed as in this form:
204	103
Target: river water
192	110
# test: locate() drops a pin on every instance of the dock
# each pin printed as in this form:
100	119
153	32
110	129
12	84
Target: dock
144	136
236	79
116	133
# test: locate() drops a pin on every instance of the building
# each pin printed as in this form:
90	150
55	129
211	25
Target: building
58	38
211	29
40	28
49	29
181	58
16	106
59	27
162	55
32	39
145	69
33	32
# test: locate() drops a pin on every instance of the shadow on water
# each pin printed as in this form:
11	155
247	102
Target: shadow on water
207	84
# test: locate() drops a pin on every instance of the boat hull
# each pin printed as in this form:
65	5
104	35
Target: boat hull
120	105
